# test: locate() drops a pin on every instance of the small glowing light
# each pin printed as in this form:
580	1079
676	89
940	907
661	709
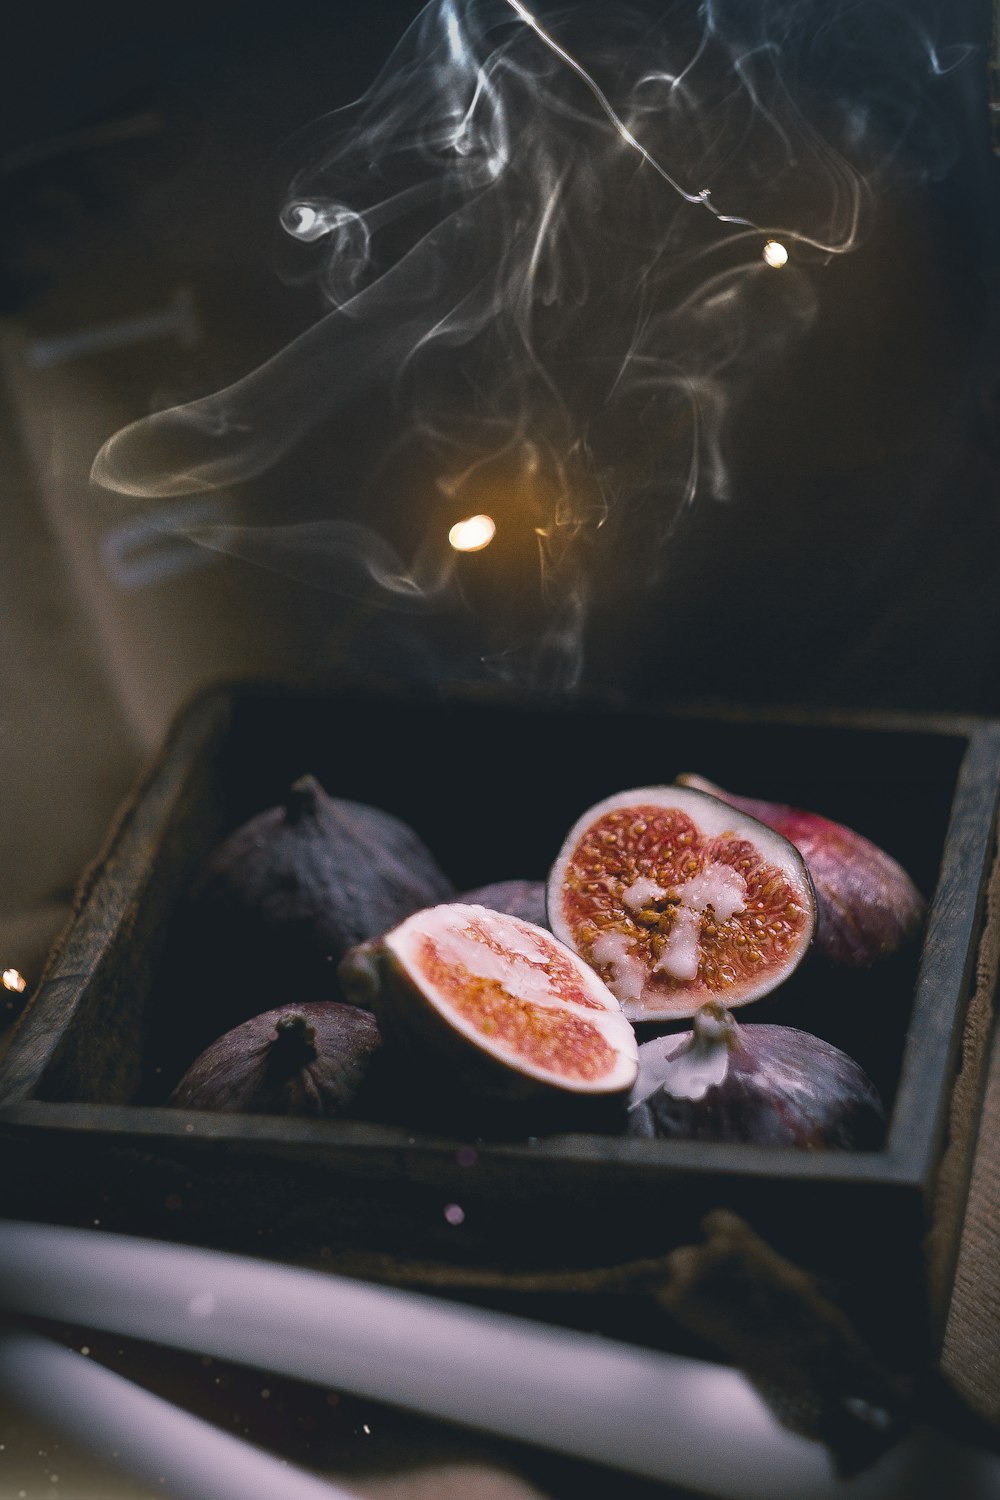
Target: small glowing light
775	254
454	1213
12	980
472	534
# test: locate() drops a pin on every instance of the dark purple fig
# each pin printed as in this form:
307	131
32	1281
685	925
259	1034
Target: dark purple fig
867	905
676	899
769	1085
516	898
311	1059
281	901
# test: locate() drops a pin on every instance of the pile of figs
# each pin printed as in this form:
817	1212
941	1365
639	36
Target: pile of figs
353	980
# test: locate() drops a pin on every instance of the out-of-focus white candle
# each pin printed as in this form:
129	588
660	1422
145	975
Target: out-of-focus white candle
658	1415
143	1434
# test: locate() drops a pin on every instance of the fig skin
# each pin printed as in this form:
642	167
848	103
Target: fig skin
516	898
762	1084
283	898
867	905
314	1060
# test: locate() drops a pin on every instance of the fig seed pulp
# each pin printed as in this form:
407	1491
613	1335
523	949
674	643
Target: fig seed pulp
675	898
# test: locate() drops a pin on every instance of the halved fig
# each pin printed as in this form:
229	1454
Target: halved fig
497	1003
676	898
867	905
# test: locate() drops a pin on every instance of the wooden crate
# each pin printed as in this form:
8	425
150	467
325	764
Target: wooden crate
492	787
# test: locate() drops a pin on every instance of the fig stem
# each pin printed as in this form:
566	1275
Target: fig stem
712	1022
293	1046
302	799
702	1061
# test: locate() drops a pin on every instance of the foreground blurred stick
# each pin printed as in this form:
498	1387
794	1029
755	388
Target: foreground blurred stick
658	1415
142	1434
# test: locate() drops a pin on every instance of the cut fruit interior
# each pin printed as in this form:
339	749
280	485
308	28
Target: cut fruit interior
676	898
513	993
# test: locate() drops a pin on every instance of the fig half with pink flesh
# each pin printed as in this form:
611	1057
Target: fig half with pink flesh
867	905
675	898
495	1005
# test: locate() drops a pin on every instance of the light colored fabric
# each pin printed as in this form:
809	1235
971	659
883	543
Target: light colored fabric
970	1355
65	757
449	1482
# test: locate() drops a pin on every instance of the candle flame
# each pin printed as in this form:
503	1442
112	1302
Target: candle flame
12	980
775	254
472	534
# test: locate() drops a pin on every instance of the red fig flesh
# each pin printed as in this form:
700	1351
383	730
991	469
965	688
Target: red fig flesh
676	898
867	905
497	1002
297	1060
770	1085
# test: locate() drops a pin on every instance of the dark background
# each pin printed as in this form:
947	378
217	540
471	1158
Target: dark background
856	563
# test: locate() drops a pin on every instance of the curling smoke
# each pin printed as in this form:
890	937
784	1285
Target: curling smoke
548	240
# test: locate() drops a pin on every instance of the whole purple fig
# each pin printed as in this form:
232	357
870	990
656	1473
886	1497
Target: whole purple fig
311	1059
770	1085
283	898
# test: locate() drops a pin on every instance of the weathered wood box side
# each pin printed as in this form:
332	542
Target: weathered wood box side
491	786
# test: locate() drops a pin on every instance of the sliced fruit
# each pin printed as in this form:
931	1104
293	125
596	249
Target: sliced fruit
506	1007
676	898
867	905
